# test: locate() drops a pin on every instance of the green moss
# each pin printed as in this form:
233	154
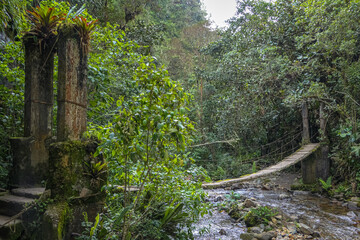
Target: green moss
250	219
235	211
64	219
68	168
267	180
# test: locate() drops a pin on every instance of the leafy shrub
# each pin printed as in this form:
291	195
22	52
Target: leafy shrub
145	147
344	189
256	216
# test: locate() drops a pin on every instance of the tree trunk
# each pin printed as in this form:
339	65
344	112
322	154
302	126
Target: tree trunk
306	128
323	163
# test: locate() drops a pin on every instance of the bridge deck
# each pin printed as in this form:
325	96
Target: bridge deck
294	158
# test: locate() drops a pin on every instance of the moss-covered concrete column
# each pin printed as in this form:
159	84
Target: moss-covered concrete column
39	98
74	171
72	91
76	179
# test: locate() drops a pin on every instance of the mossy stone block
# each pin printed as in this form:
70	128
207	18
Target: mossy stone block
56	219
70	169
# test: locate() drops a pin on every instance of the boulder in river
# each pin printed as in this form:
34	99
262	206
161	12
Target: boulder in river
255	230
352	206
284	196
249	203
247	236
352	215
266	235
291	227
222	232
305	229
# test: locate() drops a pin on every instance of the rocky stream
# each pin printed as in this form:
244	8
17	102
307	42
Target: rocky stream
297	215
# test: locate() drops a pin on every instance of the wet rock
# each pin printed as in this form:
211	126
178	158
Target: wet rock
297	192
316	235
262	226
249	203
257	181
284	196
247	236
291	227
222	232
219	199
338	196
236	186
351	214
266	235
352	206
255	230
305	229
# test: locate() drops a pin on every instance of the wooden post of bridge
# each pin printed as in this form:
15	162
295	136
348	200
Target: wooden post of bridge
323	162
308	165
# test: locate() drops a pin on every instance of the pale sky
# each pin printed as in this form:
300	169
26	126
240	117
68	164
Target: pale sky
220	10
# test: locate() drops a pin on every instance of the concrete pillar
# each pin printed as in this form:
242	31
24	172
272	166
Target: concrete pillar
39	97
72	91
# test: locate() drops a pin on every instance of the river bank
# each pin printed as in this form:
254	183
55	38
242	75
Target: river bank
297	214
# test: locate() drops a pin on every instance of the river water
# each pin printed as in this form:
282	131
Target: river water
331	220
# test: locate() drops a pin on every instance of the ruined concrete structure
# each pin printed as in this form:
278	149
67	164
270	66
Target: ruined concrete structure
30	152
31	155
72	92
65	160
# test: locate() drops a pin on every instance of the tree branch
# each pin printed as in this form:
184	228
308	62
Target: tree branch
217	142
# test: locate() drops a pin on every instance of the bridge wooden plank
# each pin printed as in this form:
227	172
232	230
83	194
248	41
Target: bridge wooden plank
296	157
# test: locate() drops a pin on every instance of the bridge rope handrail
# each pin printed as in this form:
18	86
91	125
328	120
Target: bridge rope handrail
237	139
283	137
272	153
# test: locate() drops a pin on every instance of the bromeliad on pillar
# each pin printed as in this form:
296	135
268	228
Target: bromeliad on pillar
30	152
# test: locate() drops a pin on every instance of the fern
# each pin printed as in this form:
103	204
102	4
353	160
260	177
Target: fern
326	185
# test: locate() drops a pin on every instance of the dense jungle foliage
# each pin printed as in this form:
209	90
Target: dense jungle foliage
173	101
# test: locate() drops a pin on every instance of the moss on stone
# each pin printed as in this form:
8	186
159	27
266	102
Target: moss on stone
69	169
64	219
250	219
55	221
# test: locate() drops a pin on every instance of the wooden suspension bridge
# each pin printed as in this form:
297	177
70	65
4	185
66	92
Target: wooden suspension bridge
314	157
294	158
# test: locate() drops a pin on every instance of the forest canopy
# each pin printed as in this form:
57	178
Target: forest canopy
174	103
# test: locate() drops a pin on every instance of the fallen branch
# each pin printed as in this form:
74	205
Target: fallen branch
13	218
217	142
